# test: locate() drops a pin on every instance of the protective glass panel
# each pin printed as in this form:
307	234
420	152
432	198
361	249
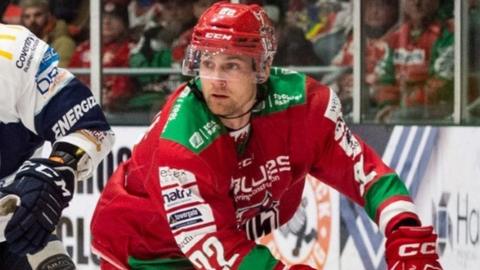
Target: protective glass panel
409	61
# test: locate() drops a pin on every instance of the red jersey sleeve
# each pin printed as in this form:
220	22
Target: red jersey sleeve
345	162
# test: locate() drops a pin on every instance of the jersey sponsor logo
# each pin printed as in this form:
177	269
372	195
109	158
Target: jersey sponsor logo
69	119
193	216
26	53
186	240
284	99
196	140
176	108
244	188
334	107
206	132
44	82
262	223
306	238
346	140
352	149
179	196
169	176
47	70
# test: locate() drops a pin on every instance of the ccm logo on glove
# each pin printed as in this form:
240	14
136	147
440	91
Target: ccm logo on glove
416	248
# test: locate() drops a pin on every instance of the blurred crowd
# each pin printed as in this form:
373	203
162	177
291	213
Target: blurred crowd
408	50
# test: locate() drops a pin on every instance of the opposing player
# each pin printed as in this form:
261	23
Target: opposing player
225	162
41	102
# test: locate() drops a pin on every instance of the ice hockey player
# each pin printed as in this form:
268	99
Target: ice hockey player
41	102
225	162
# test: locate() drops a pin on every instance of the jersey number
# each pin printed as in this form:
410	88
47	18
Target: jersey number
200	258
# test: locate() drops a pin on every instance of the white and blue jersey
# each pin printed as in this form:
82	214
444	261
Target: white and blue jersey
41	102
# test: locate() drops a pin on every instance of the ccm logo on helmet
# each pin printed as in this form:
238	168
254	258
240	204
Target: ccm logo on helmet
218	36
415	248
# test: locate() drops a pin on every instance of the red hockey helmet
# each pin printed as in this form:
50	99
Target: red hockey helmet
236	29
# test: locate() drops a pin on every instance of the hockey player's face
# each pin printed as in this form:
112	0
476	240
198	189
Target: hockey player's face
418	10
35	19
228	83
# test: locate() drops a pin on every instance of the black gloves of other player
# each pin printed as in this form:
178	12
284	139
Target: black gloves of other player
45	188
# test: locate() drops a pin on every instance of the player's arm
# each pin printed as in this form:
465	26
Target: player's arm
346	163
203	220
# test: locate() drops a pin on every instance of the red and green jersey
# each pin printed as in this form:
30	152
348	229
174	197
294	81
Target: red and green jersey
419	65
188	196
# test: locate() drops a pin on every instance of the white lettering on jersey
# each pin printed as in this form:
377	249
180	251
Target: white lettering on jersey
175	197
283	99
360	177
346	140
187	240
170	176
212	247
334	107
71	117
244	190
179	187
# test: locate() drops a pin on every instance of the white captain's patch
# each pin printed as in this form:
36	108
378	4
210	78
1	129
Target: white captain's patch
334	108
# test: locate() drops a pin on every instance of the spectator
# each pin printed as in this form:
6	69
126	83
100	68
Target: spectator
76	14
163	47
36	16
380	17
191	11
180	44
153	50
326	24
416	79
294	49
141	14
116	89
10	13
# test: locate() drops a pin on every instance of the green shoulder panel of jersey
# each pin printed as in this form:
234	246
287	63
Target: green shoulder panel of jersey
287	88
191	124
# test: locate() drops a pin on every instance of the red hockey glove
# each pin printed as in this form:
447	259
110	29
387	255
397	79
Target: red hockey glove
412	248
